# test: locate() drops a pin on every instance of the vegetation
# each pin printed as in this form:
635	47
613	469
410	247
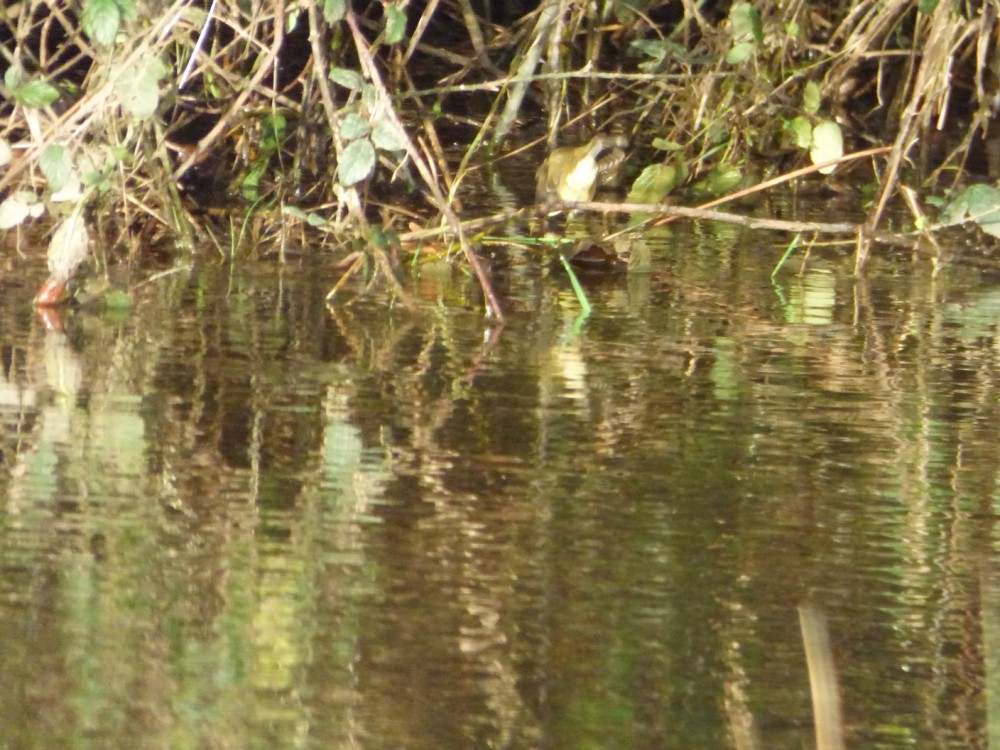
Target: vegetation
305	123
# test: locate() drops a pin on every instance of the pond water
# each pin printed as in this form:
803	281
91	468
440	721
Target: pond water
237	516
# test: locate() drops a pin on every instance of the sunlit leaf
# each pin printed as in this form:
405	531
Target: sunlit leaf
719	181
138	86
101	19
57	166
13	76
811	97
387	137
801	130
291	18
655	182
828	143
354	126
349	79
740	52
334	10
356	162
15	209
395	24
979	203
745	23
36	94
664	145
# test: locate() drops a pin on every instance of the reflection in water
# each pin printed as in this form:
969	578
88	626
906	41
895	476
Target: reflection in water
242	519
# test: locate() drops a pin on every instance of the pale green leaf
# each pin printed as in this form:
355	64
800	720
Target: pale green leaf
395	24
334	10
664	145
138	87
746	23
740	52
36	94
356	162
13	76
387	137
354	126
801	130
349	79
101	20
828	143
811	97
655	182
57	166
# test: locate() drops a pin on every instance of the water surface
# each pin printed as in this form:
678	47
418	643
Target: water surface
241	517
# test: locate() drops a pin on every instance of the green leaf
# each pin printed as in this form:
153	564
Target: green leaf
57	166
979	203
827	144
719	181
334	10
291	18
36	94
101	19
927	6
387	137
811	97
745	23
740	52
664	145
349	79
138	86
395	24
655	182
801	130
13	76
354	126
356	162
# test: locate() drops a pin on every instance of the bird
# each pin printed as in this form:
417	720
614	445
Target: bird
570	174
68	249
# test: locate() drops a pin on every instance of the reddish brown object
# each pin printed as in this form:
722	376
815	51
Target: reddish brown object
52	293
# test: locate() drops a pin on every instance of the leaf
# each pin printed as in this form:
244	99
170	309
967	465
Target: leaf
811	97
739	53
356	162
979	203
655	182
745	22
349	79
664	145
828	143
101	19
13	76
801	130
57	166
395	24
138	86
334	10
387	137
16	208
36	94
354	126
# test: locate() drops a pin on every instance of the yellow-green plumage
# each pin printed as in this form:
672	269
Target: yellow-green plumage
570	174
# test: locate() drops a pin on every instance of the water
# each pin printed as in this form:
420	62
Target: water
237	517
